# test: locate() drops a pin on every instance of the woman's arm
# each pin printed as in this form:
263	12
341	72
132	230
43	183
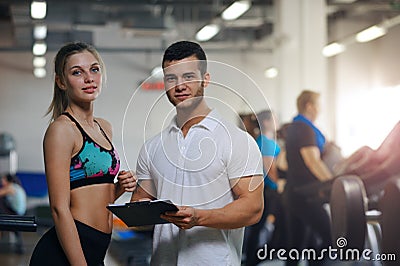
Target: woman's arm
126	183
126	179
58	148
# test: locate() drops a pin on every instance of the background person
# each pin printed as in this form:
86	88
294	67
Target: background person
80	163
13	202
281	162
261	233
13	195
304	148
207	166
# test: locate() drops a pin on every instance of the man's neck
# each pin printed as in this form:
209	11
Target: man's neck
309	117
187	117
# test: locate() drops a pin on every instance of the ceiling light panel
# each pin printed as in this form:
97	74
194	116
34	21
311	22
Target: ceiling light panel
38	9
235	10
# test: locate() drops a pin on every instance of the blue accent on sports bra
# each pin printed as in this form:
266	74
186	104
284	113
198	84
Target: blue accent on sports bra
93	164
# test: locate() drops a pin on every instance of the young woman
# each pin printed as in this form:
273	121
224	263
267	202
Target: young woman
81	164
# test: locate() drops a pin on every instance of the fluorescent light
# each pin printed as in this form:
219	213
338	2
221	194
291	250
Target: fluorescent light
39	72
236	10
333	49
40	32
157	72
207	32
370	34
39	48
38	9
271	72
39	61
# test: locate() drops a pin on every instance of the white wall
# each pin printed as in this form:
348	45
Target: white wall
366	82
23	103
24	99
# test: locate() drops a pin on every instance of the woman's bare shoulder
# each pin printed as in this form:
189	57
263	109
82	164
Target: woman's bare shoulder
61	128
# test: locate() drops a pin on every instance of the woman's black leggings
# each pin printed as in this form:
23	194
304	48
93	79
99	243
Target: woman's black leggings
48	250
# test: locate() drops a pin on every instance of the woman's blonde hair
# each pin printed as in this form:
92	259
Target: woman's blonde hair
60	98
305	98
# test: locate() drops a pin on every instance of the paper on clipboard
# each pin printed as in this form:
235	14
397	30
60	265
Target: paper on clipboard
142	212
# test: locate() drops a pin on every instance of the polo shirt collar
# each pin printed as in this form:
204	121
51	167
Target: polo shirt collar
210	122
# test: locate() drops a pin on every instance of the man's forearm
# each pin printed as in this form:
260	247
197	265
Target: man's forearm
239	213
321	171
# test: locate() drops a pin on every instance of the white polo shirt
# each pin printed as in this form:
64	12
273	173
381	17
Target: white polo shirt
196	171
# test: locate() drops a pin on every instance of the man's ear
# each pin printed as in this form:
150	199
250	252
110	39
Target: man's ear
60	84
206	80
309	105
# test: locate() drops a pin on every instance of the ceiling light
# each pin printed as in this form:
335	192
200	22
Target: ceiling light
157	72
39	61
271	72
40	32
38	9
236	10
370	34
333	49
39	72
207	32
39	48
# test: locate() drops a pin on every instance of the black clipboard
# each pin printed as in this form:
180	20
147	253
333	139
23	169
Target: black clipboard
142	212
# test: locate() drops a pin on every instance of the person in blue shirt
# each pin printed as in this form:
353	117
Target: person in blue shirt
262	232
269	148
305	145
13	194
13	202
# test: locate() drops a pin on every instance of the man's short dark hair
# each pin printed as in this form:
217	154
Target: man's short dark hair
184	49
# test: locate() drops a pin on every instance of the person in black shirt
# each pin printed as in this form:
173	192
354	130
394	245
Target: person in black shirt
304	147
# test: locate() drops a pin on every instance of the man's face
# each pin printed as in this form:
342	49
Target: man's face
184	82
315	108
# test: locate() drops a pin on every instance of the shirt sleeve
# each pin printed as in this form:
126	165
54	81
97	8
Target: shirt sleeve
268	147
245	158
305	135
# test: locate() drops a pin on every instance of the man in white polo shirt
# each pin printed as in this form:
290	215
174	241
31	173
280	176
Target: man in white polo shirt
208	167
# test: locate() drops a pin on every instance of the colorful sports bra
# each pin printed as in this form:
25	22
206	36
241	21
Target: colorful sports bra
93	164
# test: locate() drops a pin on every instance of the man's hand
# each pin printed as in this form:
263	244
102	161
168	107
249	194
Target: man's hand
184	218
